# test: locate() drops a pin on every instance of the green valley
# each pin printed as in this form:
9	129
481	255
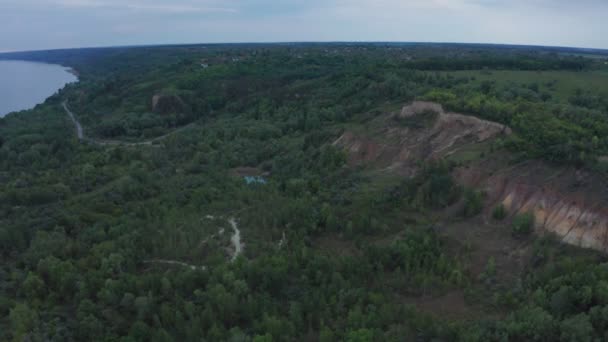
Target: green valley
309	192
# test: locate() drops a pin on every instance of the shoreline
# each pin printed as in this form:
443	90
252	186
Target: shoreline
72	71
39	95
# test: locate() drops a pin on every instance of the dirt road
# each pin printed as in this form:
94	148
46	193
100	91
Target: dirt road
82	137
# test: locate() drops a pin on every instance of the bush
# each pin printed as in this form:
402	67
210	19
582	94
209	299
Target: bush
522	224
473	203
500	212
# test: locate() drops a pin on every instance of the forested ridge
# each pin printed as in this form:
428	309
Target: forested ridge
331	252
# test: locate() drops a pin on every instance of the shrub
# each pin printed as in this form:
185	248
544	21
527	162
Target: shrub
473	203
522	224
500	212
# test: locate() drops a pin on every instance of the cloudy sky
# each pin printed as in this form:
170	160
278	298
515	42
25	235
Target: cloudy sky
44	24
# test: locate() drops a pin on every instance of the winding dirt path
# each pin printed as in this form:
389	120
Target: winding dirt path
82	137
77	124
236	239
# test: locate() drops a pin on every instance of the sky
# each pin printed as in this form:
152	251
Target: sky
48	24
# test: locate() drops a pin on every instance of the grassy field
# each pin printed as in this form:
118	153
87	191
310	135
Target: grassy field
559	83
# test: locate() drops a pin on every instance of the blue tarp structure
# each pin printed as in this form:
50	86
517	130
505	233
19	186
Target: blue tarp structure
255	180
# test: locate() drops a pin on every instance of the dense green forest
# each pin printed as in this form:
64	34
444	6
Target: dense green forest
105	239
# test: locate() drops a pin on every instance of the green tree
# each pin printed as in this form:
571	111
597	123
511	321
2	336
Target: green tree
360	335
33	286
326	335
24	321
576	328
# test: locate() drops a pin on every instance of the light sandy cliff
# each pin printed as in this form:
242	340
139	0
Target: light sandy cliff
570	203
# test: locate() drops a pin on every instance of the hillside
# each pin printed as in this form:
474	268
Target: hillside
563	200
317	192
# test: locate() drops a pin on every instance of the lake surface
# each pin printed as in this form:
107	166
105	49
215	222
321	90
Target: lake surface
23	85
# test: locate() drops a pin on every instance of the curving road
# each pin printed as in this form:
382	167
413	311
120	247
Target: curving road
73	118
82	137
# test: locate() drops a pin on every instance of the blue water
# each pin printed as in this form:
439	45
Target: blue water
23	85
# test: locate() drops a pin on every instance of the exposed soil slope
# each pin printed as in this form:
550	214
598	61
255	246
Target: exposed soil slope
399	141
571	203
166	104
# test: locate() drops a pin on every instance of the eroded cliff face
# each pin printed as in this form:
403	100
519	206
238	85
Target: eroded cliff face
393	144
570	203
166	104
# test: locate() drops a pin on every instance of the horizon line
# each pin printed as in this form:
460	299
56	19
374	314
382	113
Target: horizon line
362	42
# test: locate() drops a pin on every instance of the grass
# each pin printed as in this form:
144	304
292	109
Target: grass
379	180
471	152
566	82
